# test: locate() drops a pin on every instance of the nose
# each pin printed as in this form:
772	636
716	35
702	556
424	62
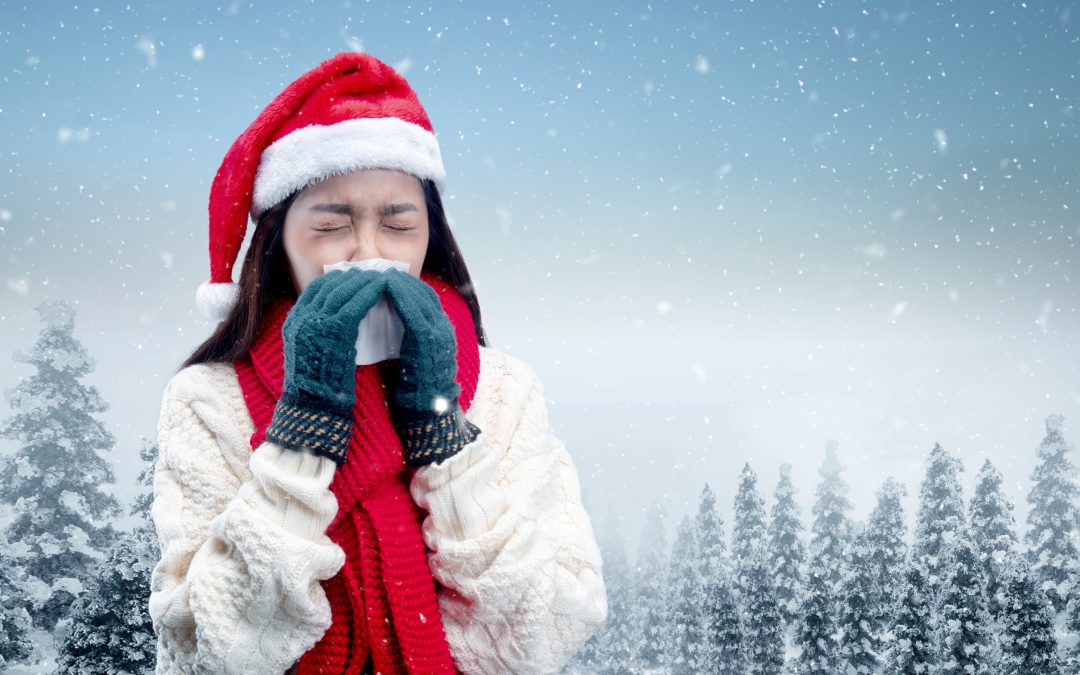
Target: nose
364	246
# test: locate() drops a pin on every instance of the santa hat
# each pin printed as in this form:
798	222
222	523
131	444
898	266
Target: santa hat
351	112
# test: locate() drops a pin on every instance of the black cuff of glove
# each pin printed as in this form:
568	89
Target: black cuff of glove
304	422
428	437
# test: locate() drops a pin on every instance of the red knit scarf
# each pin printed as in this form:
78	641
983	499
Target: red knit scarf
383	601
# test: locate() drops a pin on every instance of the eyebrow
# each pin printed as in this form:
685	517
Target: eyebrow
346	210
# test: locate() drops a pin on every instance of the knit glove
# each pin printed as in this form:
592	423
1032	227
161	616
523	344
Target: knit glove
424	403
319	389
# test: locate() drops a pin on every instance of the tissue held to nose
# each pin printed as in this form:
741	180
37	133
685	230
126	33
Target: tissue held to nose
381	330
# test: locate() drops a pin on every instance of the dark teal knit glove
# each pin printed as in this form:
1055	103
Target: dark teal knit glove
319	389
424	404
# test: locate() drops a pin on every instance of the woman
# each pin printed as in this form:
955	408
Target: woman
413	515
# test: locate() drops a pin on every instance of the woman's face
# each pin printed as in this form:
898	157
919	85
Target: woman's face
371	213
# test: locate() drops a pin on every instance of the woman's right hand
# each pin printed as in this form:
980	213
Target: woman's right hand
319	388
320	334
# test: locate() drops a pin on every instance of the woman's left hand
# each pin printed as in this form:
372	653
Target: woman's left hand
425	409
428	357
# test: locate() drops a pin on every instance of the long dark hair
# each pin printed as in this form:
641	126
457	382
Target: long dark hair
267	276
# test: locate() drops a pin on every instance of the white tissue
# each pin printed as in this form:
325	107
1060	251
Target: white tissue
381	330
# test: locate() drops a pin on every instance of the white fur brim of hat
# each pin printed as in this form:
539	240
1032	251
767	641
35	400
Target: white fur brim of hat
317	151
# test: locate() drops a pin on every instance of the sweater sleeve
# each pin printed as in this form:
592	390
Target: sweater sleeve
236	589
513	548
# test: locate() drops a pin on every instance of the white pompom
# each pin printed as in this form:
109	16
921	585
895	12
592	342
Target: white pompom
215	300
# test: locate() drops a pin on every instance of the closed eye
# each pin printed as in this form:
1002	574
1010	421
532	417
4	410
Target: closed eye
330	227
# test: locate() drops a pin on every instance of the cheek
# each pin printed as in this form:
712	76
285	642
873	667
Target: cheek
304	261
406	248
313	251
417	250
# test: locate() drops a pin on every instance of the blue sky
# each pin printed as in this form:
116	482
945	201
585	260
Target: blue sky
721	232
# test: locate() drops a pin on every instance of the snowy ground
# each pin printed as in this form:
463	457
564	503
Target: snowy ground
45	656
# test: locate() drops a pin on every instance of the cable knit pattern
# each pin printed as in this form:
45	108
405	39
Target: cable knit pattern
244	547
510	537
241	533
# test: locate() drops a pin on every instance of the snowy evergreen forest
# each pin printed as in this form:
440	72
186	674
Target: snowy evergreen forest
72	588
969	591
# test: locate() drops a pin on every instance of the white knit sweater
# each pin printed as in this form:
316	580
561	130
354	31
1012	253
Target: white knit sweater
244	547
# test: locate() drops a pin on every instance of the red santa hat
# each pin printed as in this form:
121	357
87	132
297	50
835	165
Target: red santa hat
351	112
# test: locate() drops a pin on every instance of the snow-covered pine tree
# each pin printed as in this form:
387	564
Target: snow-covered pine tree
61	513
609	649
684	582
651	627
763	637
1072	619
1053	520
862	613
786	549
820	599
15	625
911	650
963	641
993	529
829	531
722	647
1028	643
748	528
710	536
111	630
886	537
941	515
714	567
815	630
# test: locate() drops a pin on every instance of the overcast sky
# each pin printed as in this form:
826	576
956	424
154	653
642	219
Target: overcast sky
721	232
